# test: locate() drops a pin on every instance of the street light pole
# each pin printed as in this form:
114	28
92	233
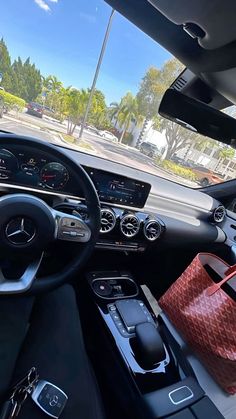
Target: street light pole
97	72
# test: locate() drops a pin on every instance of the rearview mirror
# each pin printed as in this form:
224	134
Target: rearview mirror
198	117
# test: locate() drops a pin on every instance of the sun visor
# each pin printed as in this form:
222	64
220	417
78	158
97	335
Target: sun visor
212	22
198	117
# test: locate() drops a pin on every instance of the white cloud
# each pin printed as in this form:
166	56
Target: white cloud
43	5
54	1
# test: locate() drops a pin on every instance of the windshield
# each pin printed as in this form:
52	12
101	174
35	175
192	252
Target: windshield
78	75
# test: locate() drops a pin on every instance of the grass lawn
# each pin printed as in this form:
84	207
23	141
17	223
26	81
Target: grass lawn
72	140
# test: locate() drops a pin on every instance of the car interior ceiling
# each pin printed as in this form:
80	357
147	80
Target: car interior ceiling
136	269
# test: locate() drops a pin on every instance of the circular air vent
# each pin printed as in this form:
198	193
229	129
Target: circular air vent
129	225
219	214
152	230
108	220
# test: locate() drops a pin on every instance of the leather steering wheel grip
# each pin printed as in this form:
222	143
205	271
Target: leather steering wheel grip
85	184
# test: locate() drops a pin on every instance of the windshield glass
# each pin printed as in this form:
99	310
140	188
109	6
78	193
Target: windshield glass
63	82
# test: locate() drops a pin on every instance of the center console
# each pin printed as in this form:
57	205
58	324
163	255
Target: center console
164	381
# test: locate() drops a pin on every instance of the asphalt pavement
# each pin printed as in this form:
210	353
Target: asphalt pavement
20	129
130	157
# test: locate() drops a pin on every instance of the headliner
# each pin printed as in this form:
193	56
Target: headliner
201	61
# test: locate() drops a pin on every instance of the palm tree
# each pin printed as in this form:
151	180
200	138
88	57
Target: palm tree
114	111
52	86
63	97
224	153
76	106
128	113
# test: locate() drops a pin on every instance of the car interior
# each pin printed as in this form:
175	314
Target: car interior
121	237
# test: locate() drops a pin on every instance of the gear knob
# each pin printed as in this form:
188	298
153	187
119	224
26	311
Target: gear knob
150	343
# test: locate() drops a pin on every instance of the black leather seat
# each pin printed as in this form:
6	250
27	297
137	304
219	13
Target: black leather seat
54	345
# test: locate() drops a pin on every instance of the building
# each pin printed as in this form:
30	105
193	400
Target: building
210	158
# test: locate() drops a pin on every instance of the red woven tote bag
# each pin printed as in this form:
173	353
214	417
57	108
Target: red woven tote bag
206	316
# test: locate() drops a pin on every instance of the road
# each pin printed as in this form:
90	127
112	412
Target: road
47	130
18	128
130	157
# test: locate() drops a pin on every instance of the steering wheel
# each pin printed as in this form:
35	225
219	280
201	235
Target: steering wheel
28	225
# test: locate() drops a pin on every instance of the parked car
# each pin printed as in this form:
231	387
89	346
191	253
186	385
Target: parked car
35	109
93	129
48	111
149	149
108	136
206	177
182	162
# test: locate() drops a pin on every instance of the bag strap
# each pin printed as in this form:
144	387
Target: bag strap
213	288
231	269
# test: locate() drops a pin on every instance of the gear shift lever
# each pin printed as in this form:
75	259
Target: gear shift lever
150	343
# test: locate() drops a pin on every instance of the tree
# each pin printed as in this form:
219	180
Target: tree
152	88
52	89
5	66
224	153
98	109
52	84
129	112
76	106
178	137
26	80
114	111
62	105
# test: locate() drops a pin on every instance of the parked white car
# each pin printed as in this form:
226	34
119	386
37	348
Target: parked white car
109	136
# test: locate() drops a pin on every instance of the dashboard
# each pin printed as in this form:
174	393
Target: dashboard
24	167
138	209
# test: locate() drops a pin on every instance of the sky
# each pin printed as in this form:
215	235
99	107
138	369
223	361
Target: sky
64	38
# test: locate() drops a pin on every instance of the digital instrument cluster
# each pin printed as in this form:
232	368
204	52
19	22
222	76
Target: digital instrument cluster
24	166
32	169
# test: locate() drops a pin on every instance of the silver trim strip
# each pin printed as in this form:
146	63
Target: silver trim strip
65	195
22	284
120	247
221	236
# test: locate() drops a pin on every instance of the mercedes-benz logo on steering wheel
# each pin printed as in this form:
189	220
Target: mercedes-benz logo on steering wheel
20	230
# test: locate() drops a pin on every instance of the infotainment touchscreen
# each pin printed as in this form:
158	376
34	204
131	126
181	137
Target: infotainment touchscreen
119	189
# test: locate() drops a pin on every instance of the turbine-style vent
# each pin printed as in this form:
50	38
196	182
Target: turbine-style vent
130	225
108	220
219	214
152	230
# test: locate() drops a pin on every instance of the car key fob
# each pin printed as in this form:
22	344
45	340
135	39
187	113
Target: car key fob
49	398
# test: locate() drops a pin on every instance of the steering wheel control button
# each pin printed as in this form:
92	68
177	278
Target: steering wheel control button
20	230
49	398
71	228
73	234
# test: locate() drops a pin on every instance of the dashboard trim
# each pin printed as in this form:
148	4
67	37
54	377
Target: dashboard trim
64	195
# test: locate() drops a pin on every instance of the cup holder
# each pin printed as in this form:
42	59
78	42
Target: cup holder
114	287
